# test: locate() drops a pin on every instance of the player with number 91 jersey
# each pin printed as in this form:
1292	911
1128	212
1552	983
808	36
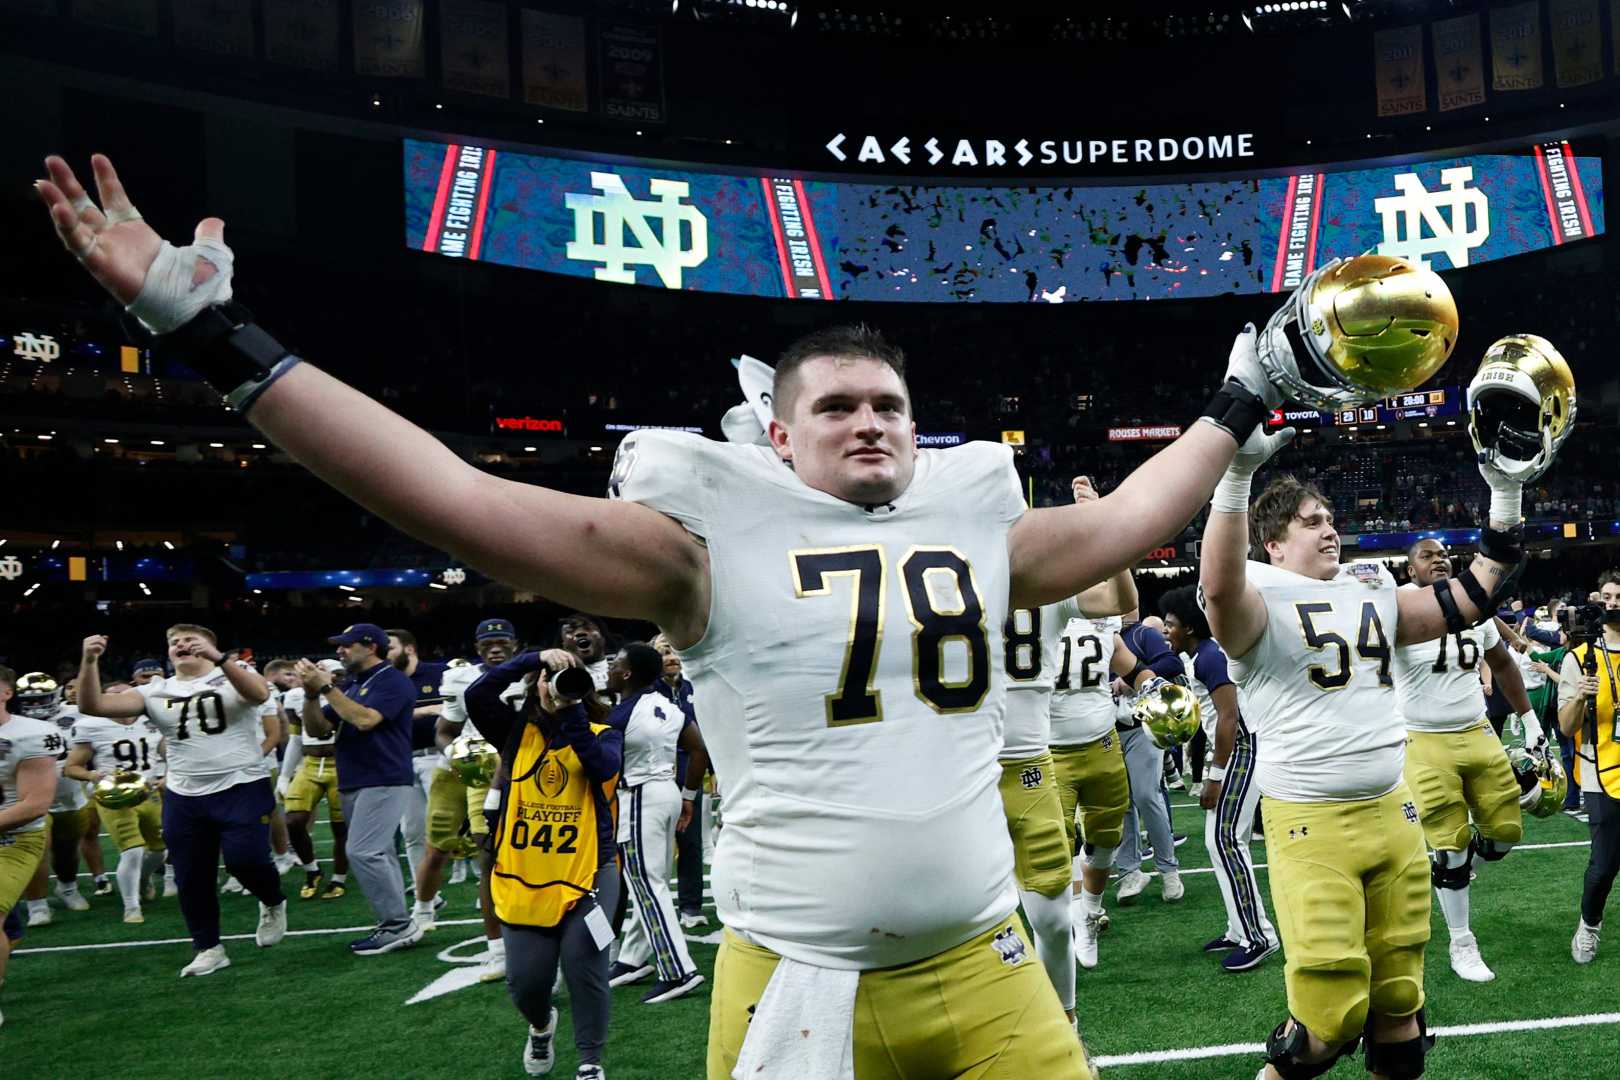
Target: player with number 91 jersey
134	746
853	694
213	732
1437	684
1317	685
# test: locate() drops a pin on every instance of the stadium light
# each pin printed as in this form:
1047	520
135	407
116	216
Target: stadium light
359	598
169	544
55	544
437	585
47	438
258	446
111	441
157	442
30	590
217	445
347	588
144	589
119	544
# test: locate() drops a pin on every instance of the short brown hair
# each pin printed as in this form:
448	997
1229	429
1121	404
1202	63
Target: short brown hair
1275	508
8	677
852	342
191	628
1609	577
278	665
405	637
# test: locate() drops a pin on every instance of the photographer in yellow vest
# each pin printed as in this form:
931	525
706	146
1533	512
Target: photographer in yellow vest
554	880
1597	759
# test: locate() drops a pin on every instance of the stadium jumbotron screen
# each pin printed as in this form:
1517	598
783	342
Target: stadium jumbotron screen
763	235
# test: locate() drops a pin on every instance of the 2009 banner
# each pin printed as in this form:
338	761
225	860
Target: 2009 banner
763	234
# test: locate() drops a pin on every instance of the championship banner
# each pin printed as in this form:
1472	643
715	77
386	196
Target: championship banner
554	60
456	224
1296	242
130	16
302	34
1516	47
672	226
804	271
1459	72
472	47
1577	42
1398	70
221	27
1567	211
630	72
388	38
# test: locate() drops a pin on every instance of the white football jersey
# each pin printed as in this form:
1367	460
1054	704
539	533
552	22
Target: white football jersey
270	709
23	738
1437	685
70	793
454	688
1317	687
1083	695
1533	679
1206	704
853	689
114	744
293	702
650	735
1033	639
213	732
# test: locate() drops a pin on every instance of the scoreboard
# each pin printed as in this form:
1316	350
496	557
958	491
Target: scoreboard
1418	405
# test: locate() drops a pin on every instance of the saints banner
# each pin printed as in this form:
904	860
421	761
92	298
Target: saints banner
302	34
630	68
472	43
554	60
388	38
1459	73
221	27
1398	68
130	16
1577	37
1516	47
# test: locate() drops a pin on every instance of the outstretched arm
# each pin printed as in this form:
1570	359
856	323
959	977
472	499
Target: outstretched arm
611	557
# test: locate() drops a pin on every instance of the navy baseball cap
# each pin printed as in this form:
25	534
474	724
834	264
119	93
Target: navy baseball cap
493	628
147	665
365	633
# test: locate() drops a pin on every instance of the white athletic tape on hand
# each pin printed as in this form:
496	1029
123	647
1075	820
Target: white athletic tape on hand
168	299
118	217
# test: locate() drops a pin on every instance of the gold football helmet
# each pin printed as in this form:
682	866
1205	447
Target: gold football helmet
1521	406
38	695
1169	712
1358	330
120	791
474	760
1542	781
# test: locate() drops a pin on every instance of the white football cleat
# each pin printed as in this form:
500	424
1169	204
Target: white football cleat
1171	888
70	897
1085	939
40	916
207	962
133	916
1131	885
272	925
1466	961
1585	944
231	886
492	967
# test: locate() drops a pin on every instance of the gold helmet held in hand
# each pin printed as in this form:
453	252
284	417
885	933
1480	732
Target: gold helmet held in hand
1521	406
1358	330
1170	713
121	790
474	760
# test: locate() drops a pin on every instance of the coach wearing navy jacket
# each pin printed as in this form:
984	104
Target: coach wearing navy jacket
372	717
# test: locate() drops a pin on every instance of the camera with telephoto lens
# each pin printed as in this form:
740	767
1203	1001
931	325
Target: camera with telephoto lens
570	684
1586	620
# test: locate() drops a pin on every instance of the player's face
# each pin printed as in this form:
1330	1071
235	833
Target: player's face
286	678
70	692
1176	631
143	677
618	673
1609	596
398	654
583	639
496	650
1311	544
672	663
1430	562
182	646
850	433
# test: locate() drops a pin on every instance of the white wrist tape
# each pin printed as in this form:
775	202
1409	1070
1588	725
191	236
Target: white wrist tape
1507	504
688	794
1216	773
168	299
1232	493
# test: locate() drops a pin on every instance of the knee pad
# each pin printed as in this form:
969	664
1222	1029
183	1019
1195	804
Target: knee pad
1447	873
1284	1050
1488	849
1098	858
1399	1060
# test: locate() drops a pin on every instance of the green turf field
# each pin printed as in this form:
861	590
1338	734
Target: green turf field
307	1009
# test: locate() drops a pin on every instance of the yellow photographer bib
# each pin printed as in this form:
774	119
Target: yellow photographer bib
548	849
1608	750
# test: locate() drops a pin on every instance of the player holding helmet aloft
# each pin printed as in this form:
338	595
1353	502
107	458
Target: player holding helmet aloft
1311	642
868	576
217	799
1466	793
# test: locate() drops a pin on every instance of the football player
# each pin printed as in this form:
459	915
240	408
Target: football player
1466	793
40	697
1312	642
309	775
217	799
1229	796
1147	764
98	748
866	576
28	753
272	734
582	636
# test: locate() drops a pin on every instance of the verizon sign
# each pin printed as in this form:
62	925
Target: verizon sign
528	423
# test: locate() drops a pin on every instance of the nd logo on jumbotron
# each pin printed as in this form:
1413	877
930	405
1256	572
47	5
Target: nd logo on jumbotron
1449	221
662	232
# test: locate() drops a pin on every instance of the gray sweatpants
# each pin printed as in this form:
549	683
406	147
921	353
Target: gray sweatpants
1150	804
374	815
532	955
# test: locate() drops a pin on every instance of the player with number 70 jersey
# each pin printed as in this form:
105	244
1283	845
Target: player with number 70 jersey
213	732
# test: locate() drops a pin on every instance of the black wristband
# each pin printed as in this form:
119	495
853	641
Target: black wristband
1235	410
230	351
1505	546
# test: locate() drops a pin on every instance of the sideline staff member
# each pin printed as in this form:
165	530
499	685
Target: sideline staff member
1597	763
554	879
372	717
